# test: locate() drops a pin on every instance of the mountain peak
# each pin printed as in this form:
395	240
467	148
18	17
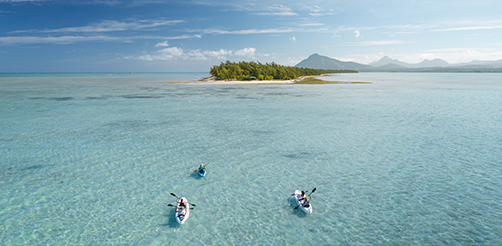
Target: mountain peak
425	63
323	62
388	64
385	61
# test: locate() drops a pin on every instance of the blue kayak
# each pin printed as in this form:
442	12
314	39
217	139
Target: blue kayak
202	174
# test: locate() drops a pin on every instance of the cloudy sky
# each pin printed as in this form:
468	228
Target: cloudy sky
193	35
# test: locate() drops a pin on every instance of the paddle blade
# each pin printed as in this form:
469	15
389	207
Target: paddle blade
170	205
193	204
296	207
172	194
195	170
313	190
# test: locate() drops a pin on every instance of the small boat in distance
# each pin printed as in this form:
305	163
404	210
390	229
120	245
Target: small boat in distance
307	209
182	211
201	170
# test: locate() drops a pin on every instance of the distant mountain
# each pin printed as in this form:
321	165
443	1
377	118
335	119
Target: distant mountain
491	64
431	63
387	64
323	62
386	60
425	63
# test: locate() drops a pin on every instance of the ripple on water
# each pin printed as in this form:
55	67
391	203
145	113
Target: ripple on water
393	162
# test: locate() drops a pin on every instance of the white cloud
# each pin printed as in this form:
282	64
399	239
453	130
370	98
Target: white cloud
247	31
110	26
195	55
279	10
249	52
175	53
219	54
318	11
384	42
312	24
161	55
17	1
358	34
56	40
468	28
184	37
163	44
293	39
13	40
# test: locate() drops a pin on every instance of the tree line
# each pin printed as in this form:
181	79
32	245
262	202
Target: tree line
258	71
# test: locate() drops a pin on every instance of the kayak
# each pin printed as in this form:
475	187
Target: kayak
306	210
183	219
202	174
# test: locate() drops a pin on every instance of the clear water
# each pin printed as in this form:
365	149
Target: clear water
91	159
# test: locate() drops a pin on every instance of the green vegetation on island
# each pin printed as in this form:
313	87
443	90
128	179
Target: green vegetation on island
259	71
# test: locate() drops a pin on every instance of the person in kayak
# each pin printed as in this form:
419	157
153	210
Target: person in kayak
202	168
181	212
181	208
304	200
181	203
301	196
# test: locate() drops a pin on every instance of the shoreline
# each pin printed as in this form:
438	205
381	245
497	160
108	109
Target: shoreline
299	80
213	80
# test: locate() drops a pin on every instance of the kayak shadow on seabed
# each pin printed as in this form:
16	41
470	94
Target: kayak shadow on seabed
298	212
171	220
195	175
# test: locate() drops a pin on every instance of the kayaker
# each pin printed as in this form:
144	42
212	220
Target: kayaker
181	211
303	199
181	208
301	196
182	203
202	168
306	203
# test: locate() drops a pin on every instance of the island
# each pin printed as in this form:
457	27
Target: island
256	72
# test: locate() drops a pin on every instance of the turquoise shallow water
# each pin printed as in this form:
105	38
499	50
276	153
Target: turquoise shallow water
410	159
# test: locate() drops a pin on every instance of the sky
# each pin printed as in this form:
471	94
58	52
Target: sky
194	35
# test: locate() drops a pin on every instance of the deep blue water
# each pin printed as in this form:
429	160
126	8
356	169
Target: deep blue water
91	159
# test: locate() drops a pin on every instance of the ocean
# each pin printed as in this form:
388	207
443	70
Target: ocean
410	159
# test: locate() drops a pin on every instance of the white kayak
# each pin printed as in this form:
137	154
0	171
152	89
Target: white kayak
180	211
305	209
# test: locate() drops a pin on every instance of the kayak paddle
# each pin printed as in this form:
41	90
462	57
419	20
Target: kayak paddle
313	191
170	205
172	194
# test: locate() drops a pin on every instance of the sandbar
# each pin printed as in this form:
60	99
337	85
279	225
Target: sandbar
299	80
